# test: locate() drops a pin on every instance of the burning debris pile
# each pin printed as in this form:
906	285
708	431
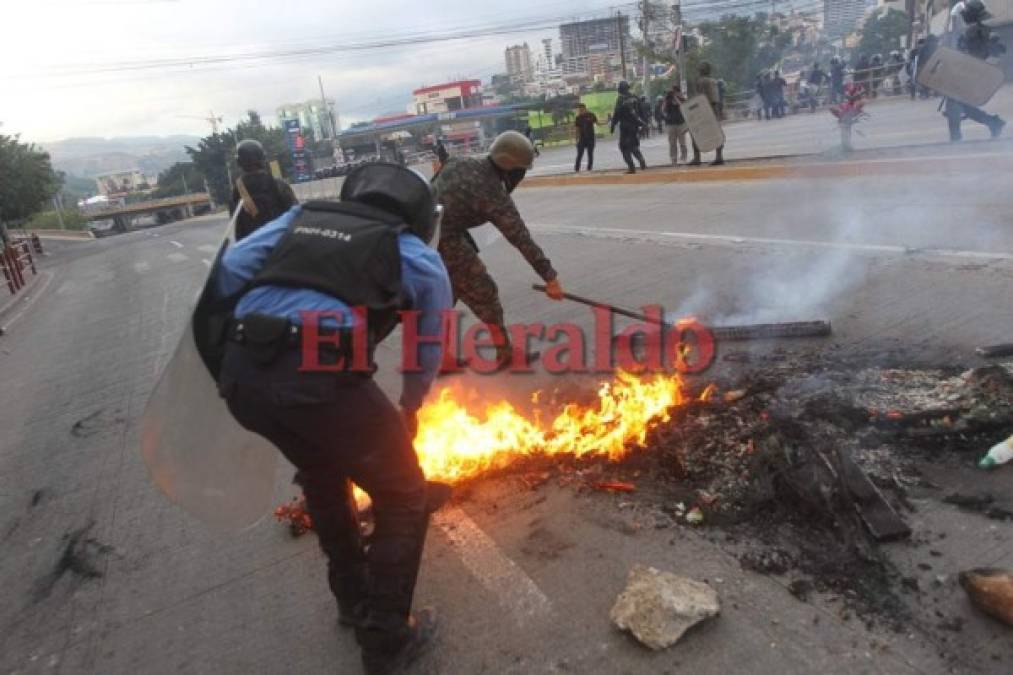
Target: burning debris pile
805	462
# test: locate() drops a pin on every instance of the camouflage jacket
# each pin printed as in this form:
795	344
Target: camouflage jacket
472	194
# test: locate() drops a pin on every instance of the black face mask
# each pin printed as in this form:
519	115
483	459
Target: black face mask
513	178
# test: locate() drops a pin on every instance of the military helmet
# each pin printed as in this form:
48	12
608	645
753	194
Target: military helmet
398	190
975	11
250	155
512	150
624	87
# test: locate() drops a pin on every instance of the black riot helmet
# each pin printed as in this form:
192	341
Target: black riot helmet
250	155
975	11
624	87
398	190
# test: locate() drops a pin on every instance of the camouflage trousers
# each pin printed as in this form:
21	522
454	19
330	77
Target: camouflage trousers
470	280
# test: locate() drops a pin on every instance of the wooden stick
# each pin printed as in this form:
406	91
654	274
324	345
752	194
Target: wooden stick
759	331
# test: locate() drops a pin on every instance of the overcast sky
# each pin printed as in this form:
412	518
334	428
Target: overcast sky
71	67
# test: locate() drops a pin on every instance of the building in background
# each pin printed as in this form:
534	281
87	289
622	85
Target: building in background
841	17
603	39
447	97
315	119
119	183
518	63
661	22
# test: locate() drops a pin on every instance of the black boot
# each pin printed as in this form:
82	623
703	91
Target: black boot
389	636
419	635
350	591
719	157
996	127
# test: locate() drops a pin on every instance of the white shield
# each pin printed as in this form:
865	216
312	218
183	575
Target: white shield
960	76
196	452
703	124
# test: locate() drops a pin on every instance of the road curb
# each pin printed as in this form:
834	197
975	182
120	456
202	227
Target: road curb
24	294
832	169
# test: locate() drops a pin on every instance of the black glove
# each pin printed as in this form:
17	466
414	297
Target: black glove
411	421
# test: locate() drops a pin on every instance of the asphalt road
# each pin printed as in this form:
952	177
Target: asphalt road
893	122
101	574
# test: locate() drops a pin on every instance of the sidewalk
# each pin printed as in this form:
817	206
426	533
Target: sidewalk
927	159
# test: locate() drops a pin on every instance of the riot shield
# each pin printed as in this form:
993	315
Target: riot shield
195	451
703	124
960	76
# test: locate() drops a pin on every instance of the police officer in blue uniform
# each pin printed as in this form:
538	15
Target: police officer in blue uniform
370	250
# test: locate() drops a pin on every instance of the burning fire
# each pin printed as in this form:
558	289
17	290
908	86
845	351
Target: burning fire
454	443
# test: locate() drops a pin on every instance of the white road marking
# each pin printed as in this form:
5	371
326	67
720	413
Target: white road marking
177	257
141	267
176	244
207	248
498	573
29	300
657	235
206	261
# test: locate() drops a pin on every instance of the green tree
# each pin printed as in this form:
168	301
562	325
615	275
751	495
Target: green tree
178	179
27	179
215	152
883	31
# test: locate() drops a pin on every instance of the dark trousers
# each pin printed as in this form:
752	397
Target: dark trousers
955	112
581	147
629	146
337	428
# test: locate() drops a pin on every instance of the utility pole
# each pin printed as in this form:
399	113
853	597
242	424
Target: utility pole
645	13
327	108
681	46
622	44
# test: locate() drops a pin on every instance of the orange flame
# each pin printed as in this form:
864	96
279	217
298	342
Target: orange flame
454	443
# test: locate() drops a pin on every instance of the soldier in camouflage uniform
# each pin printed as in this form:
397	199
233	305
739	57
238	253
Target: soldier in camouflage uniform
475	191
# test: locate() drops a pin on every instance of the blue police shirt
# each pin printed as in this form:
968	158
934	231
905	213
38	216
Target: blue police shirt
424	282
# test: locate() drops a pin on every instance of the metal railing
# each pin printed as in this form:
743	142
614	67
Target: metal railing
15	260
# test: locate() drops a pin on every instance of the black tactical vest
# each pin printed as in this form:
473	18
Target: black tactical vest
269	201
346	250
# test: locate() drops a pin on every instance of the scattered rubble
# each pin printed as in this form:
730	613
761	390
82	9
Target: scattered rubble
659	607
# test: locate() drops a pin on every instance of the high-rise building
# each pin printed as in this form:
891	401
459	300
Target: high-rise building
841	17
518	63
547	52
314	117
600	37
661	22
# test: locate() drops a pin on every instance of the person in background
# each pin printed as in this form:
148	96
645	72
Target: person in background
263	196
837	68
529	133
440	149
675	124
584	125
708	86
644	111
626	116
659	115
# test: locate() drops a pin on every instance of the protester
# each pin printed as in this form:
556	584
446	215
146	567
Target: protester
263	196
584	130
675	124
659	115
